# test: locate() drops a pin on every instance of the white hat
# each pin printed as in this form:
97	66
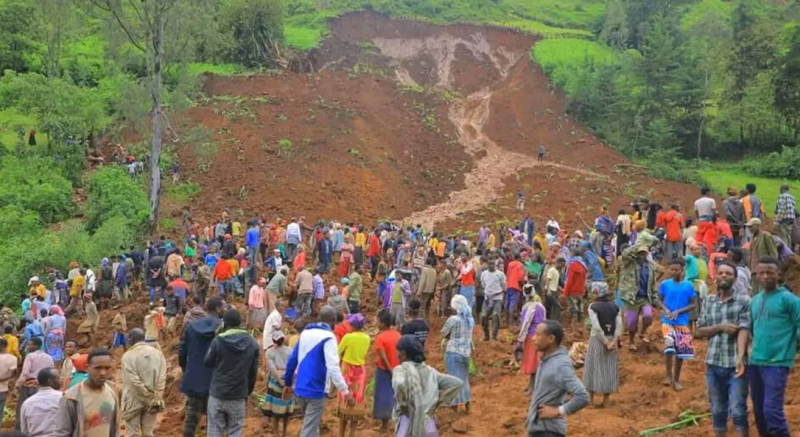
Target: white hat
32	280
753	222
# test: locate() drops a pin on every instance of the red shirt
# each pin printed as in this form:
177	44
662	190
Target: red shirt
576	280
374	246
516	275
341	330
724	228
467	276
660	219
674	220
387	341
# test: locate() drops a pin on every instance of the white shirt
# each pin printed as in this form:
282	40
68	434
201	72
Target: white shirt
293	230
553	276
494	284
91	281
705	206
273	323
39	413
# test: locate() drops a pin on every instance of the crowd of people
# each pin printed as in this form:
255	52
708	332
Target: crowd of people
304	292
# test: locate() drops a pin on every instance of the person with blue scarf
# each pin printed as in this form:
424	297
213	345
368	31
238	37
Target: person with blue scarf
592	263
457	332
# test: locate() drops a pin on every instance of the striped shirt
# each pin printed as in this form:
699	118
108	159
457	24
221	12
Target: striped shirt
722	347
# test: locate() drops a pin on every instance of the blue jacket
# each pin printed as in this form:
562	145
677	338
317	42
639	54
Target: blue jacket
593	266
315	357
252	237
192	350
325	250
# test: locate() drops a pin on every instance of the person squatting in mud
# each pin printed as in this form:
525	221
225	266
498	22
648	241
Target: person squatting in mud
530	276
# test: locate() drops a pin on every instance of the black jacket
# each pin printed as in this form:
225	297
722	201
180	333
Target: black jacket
234	356
197	338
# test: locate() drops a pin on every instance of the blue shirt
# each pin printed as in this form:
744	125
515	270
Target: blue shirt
252	237
676	296
211	260
593	265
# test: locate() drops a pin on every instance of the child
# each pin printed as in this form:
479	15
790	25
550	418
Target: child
678	298
120	327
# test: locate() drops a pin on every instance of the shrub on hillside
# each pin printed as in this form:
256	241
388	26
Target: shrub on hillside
35	184
112	193
783	164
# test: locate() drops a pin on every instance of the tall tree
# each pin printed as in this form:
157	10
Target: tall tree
787	83
615	30
57	17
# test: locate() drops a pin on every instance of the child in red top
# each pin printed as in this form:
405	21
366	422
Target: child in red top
385	361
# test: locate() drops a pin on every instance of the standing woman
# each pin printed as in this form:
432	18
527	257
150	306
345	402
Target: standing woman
346	257
55	326
353	349
600	374
275	406
418	390
533	313
458	332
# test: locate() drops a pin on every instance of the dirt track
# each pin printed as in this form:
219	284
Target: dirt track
363	147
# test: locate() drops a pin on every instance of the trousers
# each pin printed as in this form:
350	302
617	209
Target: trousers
767	388
312	415
195	406
139	423
225	416
728	396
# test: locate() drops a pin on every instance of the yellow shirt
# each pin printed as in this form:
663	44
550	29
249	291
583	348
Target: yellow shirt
354	347
13	345
40	290
77	286
542	242
237	228
293	339
234	266
433	242
490	243
361	239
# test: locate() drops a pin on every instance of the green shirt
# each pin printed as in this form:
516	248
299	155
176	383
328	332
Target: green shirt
355	288
397	293
775	325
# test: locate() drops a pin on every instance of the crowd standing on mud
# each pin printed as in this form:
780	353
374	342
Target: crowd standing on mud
305	290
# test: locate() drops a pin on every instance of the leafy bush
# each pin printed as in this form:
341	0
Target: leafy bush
32	184
783	164
183	192
112	193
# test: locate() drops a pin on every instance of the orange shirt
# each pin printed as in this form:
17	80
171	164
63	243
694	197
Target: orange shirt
387	341
440	249
674	221
576	280
223	271
516	275
467	275
374	247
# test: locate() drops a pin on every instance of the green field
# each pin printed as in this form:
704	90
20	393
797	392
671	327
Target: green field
766	189
561	58
10	122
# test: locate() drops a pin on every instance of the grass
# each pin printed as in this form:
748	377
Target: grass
561	58
767	189
10	122
183	192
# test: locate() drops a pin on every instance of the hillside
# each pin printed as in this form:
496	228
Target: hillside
407	121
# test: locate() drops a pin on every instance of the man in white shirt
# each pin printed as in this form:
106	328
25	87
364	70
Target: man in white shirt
293	239
39	413
493	282
274	323
706	209
8	366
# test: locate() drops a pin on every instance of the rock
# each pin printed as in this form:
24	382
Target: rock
481	154
460	426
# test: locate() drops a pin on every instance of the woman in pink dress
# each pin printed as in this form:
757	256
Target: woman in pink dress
346	258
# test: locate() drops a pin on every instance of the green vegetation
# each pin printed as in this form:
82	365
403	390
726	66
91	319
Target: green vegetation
768	189
183	192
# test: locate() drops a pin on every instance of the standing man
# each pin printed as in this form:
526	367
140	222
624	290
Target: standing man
91	408
196	380
40	411
293	239
234	357
252	239
553	289
315	361
304	284
520	200
734	214
144	376
528	227
356	288
753	208
515	278
494	284
547	413
374	247
725	321
325	253
742	286
706	209
762	245
575	288
8	368
540	157
427	286
637	291
678	298
785	212
673	221
27	383
775	327
467	279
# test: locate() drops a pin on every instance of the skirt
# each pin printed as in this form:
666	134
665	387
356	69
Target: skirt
54	344
530	356
678	341
404	425
118	340
344	267
600	371
358	254
458	366
356	379
274	404
256	316
383	403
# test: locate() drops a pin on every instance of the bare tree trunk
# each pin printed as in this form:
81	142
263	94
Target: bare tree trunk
700	136
155	92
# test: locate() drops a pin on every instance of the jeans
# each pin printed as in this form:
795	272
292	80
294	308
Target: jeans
491	311
512	300
398	313
195	406
767	388
728	396
312	415
153	293
468	291
673	250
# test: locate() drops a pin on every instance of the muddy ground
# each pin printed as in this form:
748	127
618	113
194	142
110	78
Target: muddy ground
434	125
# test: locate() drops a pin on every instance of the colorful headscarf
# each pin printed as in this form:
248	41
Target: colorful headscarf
55	309
599	288
356	320
460	305
104	263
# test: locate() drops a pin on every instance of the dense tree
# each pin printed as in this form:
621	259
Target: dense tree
256	28
787	83
615	31
18	36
